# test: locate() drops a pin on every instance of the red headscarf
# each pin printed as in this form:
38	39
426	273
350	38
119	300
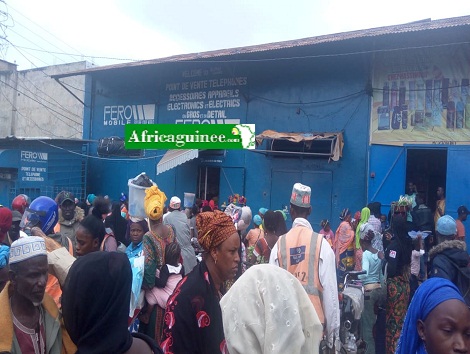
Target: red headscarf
6	218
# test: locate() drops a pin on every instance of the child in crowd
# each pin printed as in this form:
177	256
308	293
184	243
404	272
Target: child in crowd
416	255
326	232
167	278
134	233
384	222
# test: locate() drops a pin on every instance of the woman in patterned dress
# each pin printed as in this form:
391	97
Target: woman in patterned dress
344	247
398	256
193	318
154	243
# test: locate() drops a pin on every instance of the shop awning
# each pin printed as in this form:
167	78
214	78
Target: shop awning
173	158
327	145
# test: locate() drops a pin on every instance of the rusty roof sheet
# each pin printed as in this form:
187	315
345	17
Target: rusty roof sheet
423	25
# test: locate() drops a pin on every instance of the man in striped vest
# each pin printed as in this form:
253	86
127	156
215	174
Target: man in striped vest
309	257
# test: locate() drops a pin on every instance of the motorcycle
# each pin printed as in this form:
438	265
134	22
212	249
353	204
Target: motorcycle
351	302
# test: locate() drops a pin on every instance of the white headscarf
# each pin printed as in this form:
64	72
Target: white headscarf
364	230
268	311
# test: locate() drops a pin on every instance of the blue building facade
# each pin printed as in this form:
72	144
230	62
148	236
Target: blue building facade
41	167
318	85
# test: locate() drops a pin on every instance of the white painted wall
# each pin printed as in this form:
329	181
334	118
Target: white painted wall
7	96
43	107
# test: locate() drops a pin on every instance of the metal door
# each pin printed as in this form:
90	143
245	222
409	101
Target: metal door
388	167
319	181
232	181
458	179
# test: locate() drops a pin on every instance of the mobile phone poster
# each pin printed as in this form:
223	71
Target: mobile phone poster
421	96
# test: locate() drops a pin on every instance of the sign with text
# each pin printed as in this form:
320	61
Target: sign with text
421	96
210	94
194	136
205	96
33	167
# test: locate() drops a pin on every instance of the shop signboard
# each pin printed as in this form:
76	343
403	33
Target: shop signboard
33	167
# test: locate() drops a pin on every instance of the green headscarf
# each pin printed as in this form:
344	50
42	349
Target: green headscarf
365	214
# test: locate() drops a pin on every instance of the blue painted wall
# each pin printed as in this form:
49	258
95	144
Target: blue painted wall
42	168
305	95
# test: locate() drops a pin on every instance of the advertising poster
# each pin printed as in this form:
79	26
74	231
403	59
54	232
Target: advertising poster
421	96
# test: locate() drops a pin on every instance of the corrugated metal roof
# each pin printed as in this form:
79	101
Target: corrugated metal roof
13	138
423	25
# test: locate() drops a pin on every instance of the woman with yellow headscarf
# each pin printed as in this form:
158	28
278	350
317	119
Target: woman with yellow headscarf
154	243
193	318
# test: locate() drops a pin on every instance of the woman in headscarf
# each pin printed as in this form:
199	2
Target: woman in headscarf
398	257
6	219
154	243
365	214
4	254
268	311
344	247
117	223
437	321
95	306
193	319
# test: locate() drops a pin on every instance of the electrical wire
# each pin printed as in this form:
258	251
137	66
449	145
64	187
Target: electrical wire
41	69
311	102
30	41
27	118
84	56
102	158
353	113
56	104
48	108
71	86
45	30
80	56
24	56
212	60
374	89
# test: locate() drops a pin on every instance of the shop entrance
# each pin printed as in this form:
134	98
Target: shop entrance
427	169
218	183
208	182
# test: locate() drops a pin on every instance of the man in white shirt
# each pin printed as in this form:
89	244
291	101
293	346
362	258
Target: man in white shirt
295	252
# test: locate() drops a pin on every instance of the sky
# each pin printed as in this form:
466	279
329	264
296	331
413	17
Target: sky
50	32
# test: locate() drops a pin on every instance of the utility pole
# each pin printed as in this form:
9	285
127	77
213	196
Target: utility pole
14	113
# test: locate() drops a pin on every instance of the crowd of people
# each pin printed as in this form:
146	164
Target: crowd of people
92	278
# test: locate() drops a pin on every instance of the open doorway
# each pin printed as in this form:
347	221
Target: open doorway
208	183
427	169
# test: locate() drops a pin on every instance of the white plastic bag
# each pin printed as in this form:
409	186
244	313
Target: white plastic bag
137	294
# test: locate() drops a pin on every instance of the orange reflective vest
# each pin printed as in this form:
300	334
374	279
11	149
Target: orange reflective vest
299	254
53	288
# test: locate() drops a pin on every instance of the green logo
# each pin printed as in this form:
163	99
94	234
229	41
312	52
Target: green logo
190	136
